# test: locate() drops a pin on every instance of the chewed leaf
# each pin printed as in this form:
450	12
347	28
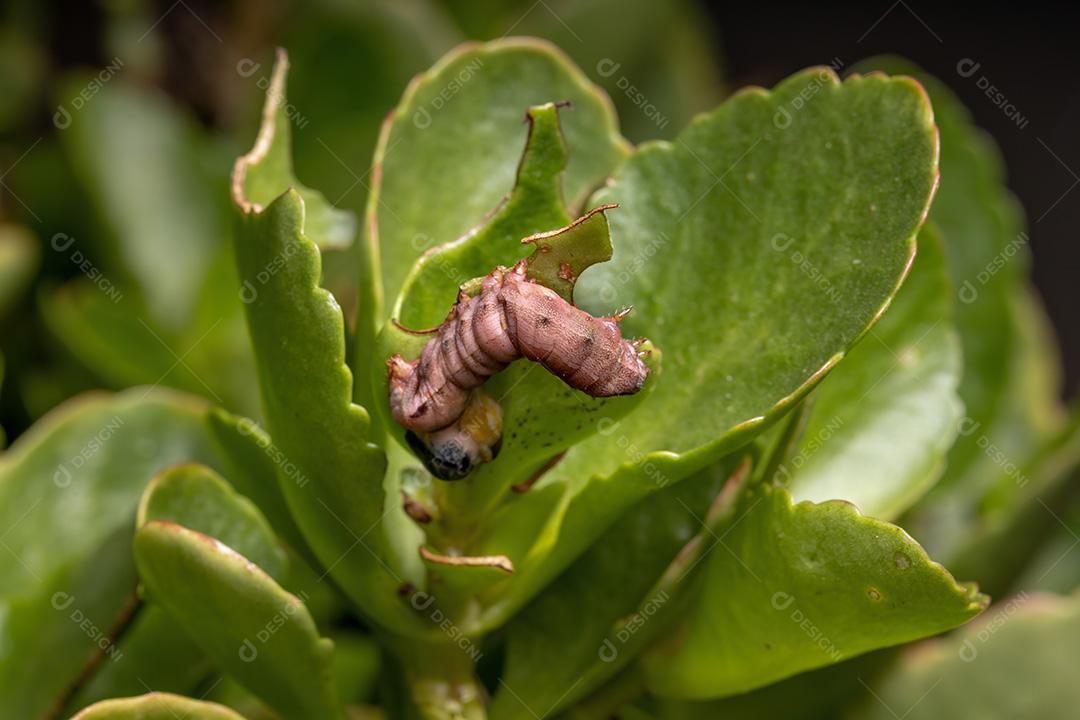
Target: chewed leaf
475	140
772	245
267	171
534	205
562	255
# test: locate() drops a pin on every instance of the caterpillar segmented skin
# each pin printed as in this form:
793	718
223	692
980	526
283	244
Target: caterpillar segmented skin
512	317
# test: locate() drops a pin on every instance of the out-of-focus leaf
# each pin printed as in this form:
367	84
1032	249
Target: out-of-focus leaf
69	489
822	694
1017	661
1011	375
19	259
167	287
657	61
138	157
157	706
22	66
153	654
883	420
262	635
794	587
1054	567
357	661
199	499
297	331
1011	528
742	208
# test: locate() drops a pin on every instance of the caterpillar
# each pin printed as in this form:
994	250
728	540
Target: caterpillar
511	317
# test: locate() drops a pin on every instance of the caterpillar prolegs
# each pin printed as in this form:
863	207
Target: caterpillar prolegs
512	317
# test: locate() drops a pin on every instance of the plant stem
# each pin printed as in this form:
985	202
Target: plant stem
441	681
124	619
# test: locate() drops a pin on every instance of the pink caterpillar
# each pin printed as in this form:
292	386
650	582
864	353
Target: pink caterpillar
512	317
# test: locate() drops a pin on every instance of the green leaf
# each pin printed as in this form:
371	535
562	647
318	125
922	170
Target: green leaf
1011	377
534	204
19	259
263	174
145	165
154	654
883	420
799	223
659	62
793	587
334	488
69	489
1016	516
1018	661
157	706
262	635
457	135
199	499
562	255
569	639
542	417
251	459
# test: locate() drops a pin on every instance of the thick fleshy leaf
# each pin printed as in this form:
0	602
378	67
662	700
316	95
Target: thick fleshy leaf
330	474
794	587
542	417
262	635
882	421
461	120
742	208
157	706
1017	516
19	258
69	489
569	639
1018	661
1011	379
533	205
251	459
199	499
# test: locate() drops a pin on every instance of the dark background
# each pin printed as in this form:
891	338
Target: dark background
1029	51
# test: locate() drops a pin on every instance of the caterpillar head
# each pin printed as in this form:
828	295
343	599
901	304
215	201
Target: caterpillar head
456	450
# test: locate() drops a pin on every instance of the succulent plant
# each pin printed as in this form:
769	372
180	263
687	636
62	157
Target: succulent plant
718	531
